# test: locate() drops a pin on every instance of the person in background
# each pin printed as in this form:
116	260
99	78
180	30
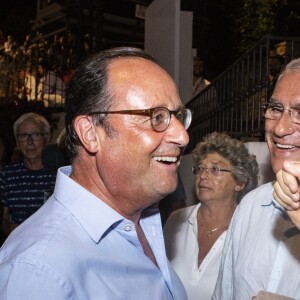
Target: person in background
24	183
51	88
99	236
261	251
9	44
194	236
28	88
199	82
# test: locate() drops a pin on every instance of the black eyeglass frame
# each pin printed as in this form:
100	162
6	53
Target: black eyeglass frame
26	136
150	112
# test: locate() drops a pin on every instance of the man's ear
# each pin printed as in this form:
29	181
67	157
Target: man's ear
86	131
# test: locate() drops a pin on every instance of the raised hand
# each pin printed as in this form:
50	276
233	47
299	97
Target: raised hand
287	190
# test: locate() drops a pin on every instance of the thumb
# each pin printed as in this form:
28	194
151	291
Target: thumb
292	167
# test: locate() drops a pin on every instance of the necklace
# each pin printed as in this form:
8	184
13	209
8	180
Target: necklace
210	232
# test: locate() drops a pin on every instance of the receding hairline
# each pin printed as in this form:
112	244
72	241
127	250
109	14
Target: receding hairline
120	62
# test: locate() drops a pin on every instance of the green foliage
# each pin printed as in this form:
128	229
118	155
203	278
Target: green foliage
257	18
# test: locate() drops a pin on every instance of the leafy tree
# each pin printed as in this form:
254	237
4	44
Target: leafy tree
257	18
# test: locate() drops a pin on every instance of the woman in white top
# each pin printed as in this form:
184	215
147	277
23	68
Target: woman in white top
194	236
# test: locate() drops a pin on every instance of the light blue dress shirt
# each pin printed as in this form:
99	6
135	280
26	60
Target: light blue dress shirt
77	247
261	252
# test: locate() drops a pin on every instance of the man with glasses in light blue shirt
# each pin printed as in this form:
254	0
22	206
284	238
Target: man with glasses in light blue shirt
261	253
99	235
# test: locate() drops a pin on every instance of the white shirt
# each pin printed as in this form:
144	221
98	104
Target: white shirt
261	252
180	233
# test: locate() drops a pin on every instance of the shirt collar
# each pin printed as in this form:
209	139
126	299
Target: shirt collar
95	216
192	218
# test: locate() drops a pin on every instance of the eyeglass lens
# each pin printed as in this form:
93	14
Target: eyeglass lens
36	136
274	112
212	170
161	118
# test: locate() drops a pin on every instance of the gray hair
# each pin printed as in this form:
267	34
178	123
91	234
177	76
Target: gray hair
244	164
292	66
33	116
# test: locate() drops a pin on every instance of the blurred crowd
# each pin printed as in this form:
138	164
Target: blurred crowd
21	77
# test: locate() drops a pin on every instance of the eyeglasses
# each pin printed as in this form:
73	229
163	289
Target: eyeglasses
35	136
215	170
274	111
160	117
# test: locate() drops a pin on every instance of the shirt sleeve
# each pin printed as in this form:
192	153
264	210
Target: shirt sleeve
24	281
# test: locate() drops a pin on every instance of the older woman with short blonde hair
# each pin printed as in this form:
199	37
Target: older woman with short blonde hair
194	236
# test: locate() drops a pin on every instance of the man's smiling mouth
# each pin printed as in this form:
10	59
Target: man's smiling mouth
281	146
166	159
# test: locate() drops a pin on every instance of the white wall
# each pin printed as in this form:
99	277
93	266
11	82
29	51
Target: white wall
162	32
168	38
186	56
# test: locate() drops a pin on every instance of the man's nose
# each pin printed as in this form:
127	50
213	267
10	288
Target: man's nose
177	132
284	125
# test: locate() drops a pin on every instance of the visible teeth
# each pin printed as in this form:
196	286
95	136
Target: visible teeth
166	158
285	146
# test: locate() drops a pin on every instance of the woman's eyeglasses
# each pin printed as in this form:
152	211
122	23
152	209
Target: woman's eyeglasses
215	170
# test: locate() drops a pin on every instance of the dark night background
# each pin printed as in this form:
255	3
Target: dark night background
15	16
222	29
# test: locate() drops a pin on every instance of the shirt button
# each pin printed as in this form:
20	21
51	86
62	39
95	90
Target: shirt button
153	231
127	227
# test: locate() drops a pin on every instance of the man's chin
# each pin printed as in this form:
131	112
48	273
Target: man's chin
171	189
277	164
